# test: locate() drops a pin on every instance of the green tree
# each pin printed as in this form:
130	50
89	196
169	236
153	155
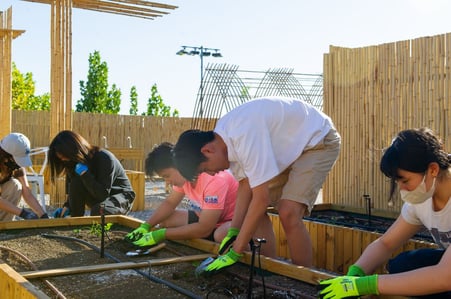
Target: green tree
156	106
94	92
113	105
23	89
133	101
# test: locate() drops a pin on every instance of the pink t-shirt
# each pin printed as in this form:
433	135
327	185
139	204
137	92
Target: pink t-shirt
209	192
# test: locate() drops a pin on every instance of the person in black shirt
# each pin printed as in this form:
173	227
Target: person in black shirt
96	177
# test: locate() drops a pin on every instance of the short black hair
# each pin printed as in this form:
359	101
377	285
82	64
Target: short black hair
412	150
159	158
187	152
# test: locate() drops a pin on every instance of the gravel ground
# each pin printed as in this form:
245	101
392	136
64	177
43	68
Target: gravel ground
154	194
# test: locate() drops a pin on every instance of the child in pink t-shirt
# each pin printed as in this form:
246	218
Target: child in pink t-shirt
211	192
211	197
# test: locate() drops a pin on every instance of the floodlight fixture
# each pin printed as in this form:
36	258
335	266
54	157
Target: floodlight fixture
182	51
201	52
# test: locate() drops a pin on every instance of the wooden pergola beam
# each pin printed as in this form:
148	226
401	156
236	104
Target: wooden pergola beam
61	46
133	8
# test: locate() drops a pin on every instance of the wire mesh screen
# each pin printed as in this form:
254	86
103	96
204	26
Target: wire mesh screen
225	87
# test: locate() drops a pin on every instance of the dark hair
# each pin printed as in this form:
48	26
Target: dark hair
412	150
72	146
159	158
7	166
186	153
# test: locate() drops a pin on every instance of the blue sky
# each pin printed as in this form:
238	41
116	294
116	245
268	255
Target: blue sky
253	34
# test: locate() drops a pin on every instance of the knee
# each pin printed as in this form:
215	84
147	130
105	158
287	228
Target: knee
290	212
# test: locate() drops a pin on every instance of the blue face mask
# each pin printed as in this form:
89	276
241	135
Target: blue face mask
419	195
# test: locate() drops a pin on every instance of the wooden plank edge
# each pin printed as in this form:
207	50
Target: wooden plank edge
304	274
15	286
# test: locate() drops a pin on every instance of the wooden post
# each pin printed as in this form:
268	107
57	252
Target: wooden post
7	34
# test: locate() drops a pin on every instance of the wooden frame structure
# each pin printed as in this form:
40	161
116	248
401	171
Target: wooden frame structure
7	34
61	46
15	285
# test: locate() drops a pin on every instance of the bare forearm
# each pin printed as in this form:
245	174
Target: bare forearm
256	212
27	195
32	201
427	280
242	203
374	255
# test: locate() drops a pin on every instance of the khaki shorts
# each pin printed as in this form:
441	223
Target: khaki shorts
302	181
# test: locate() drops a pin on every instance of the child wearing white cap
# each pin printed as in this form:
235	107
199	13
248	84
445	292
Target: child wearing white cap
14	157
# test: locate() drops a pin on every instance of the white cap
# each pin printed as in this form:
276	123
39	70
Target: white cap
18	146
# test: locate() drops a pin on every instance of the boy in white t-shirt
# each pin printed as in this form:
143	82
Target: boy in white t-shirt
258	141
211	204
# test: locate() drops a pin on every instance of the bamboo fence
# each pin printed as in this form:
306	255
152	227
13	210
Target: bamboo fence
129	137
372	93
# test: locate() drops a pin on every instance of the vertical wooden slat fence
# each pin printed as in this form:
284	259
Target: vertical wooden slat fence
120	131
372	93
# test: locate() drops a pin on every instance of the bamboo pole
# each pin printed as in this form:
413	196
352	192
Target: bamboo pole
113	266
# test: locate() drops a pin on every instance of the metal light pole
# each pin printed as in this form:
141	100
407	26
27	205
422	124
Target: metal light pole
201	52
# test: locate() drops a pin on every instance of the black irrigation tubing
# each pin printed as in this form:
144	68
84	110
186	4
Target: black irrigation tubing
33	266
149	276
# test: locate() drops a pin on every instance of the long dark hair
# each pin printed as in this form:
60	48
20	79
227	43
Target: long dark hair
72	146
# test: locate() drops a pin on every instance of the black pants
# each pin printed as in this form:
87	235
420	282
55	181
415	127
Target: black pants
419	258
79	197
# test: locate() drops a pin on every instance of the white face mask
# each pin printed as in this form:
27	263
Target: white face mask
418	195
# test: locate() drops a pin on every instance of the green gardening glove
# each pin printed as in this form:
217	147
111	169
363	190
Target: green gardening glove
223	262
355	270
138	233
232	233
348	287
151	238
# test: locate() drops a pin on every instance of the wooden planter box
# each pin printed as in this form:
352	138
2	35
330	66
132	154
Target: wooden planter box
336	247
13	285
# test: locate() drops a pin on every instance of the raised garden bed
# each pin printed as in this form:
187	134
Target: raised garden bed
339	236
50	247
367	222
78	271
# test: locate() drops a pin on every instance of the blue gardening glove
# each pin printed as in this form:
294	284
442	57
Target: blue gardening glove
223	262
138	232
151	238
355	270
61	213
232	233
348	287
28	214
80	168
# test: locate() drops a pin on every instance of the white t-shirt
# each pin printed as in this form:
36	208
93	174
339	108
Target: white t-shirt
438	223
265	136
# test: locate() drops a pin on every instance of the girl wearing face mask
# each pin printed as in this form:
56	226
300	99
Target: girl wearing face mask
420	169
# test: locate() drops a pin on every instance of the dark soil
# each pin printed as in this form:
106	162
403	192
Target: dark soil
53	253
